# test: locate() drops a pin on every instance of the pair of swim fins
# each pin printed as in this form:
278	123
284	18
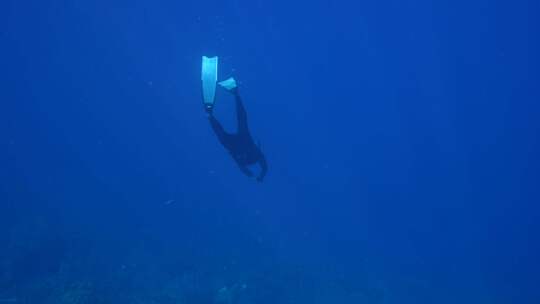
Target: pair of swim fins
209	78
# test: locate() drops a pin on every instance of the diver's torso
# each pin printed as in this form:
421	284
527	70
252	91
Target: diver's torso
244	150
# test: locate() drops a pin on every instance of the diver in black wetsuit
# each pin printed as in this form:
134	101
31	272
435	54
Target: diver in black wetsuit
240	144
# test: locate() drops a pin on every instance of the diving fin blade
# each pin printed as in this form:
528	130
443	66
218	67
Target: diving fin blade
228	84
209	73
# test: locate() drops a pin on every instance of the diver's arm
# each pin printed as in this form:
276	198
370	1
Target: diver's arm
245	170
264	168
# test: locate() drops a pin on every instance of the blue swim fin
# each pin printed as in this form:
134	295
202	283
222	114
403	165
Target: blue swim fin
209	73
228	84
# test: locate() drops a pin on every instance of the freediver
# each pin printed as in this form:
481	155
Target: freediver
240	145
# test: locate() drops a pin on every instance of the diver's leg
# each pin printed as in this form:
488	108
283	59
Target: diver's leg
218	129
241	115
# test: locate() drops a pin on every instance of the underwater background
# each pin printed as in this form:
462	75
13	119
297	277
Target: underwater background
403	142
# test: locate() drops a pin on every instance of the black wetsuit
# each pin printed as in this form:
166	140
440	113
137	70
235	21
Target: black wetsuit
240	144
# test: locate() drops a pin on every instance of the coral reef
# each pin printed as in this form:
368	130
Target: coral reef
39	267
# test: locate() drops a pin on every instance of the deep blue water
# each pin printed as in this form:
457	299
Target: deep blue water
402	139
